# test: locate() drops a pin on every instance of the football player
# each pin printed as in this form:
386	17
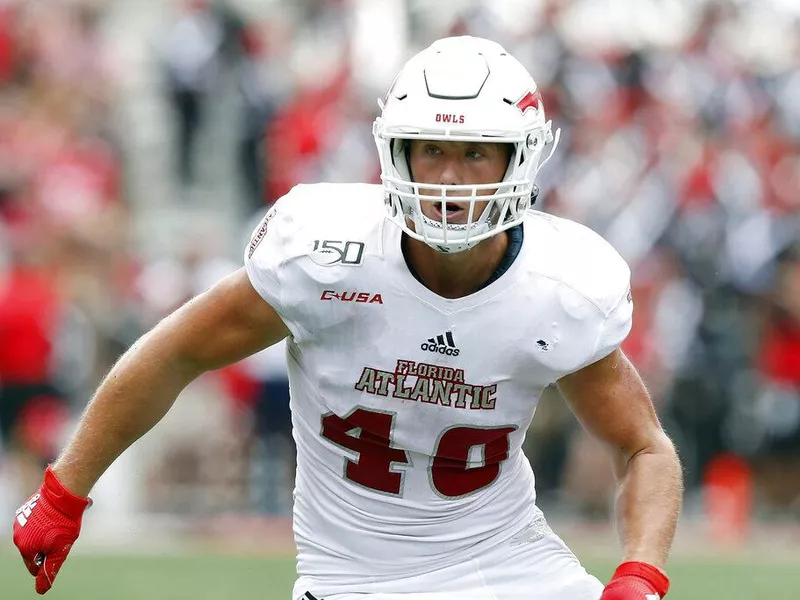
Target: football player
424	319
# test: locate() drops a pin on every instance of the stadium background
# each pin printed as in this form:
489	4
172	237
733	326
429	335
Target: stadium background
140	140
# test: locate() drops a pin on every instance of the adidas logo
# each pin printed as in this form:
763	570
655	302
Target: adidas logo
441	344
24	512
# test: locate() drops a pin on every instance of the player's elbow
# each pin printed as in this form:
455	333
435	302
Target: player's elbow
655	447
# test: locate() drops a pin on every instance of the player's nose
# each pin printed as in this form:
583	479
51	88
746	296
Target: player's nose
452	174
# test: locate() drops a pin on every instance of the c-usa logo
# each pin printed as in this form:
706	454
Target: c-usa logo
327	253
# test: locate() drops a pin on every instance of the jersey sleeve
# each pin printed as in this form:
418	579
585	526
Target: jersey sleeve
265	261
598	307
613	328
263	258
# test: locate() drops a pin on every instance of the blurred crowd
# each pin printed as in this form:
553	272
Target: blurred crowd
63	250
680	144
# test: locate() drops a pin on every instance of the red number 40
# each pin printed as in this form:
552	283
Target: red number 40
369	434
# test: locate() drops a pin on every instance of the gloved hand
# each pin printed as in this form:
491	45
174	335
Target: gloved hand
46	527
636	581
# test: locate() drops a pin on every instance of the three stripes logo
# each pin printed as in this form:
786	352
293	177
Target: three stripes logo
441	344
24	512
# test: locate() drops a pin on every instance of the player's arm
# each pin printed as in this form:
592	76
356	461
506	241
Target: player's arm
219	327
223	325
229	322
610	400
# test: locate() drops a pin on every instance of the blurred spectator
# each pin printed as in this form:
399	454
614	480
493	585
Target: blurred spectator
32	408
273	451
775	410
261	85
191	59
62	221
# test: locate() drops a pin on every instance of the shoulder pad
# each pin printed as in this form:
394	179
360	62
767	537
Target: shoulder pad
581	260
327	211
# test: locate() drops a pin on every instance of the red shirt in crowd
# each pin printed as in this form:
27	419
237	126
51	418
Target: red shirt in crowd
29	312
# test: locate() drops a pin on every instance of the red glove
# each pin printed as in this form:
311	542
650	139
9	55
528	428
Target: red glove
636	581
45	528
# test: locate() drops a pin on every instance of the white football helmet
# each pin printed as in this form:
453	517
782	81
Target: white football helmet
462	89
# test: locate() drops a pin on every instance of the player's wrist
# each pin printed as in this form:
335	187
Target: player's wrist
61	498
646	572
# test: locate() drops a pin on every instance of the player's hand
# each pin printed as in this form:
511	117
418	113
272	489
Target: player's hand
45	528
636	581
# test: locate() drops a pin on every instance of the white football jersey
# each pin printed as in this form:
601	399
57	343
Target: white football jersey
409	410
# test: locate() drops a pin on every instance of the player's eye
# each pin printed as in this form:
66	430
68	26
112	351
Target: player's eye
471	153
432	150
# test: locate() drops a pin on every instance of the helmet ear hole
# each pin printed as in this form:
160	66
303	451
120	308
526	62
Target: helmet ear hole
398	154
394	205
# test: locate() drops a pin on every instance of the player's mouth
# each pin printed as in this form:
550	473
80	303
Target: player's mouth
456	213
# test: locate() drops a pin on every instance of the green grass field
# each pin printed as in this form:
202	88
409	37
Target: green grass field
209	577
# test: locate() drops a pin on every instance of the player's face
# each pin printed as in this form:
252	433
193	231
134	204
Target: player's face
457	163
